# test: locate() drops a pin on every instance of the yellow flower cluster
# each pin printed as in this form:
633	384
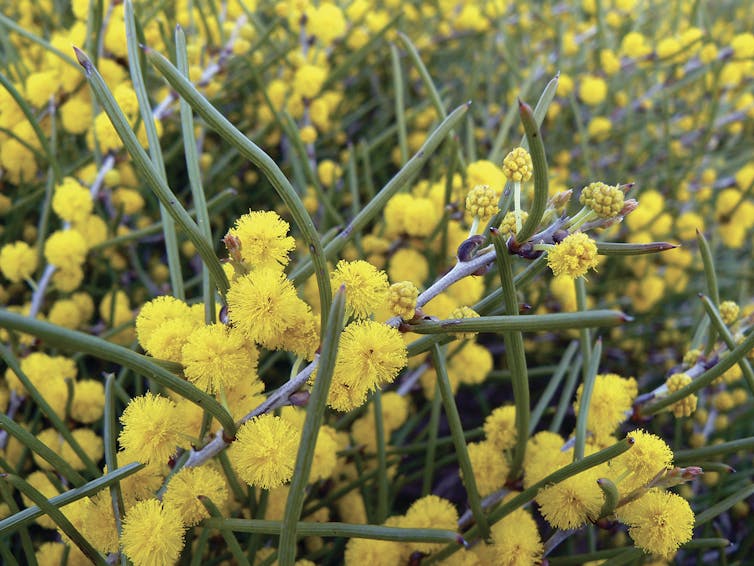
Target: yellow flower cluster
686	406
482	202
573	256
605	200
402	299
517	165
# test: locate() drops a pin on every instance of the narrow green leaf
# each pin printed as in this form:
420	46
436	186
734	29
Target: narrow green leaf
564	402
149	173
155	151
709	267
552	385
527	323
711	278
541	175
382	474
693	455
430	448
722	506
27	439
459	442
514	353
724	332
110	438
73	340
621	248
194	175
314	415
306	528
272	172
612	496
57	516
586	397
400	113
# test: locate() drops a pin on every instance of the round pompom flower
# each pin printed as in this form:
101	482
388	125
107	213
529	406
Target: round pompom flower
152	428
574	256
326	22
515	541
263	304
18	261
72	201
308	79
187	485
155	313
366	286
88	401
264	240
152	534
489	466
430	512
658	522
611	399
264	452
500	427
572	502
370	355
217	356
373	552
99	526
592	90
649	456
65	249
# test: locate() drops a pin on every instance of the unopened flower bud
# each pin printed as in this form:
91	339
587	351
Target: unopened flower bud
517	165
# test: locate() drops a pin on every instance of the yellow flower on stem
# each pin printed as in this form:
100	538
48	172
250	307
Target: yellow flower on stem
366	286
187	485
658	522
370	355
152	534
152	429
574	256
264	452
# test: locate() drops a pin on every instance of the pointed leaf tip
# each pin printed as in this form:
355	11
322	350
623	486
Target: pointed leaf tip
81	57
